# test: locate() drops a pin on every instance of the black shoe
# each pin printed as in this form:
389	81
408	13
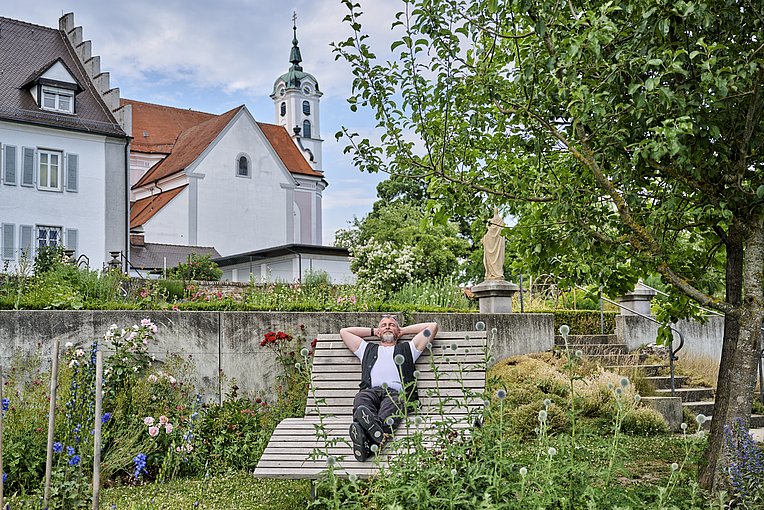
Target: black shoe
361	449
370	423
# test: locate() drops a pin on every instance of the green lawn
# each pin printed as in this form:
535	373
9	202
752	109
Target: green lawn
235	491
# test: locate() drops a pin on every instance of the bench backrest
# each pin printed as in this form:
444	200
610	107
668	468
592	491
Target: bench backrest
449	375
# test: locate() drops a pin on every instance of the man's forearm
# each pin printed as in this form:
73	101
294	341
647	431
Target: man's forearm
414	329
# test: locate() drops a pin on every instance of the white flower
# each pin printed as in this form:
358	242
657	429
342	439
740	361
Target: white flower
523	471
552	451
68	345
79	353
168	427
152	378
148	420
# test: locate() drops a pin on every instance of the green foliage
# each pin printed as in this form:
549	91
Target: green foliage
198	267
442	293
644	421
49	258
582	322
402	227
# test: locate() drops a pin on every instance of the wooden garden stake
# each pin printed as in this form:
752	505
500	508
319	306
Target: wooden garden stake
2	383
97	429
51	419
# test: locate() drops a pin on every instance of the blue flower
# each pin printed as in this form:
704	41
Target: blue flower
5	476
106	417
6	404
140	464
70	450
74	460
58	447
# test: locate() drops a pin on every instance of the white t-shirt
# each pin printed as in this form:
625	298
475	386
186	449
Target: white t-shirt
385	370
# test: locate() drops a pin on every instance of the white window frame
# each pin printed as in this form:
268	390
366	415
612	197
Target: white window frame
237	171
57	95
43	159
47	229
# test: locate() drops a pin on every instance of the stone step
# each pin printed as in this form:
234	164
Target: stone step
700	407
662	382
606	349
586	339
757	422
647	370
613	359
689	394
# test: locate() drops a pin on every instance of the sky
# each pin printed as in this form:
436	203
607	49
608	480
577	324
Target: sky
214	55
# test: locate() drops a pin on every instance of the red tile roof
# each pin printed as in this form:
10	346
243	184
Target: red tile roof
142	210
287	150
185	134
156	128
190	144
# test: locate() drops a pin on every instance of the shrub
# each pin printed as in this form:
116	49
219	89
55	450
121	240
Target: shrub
198	267
582	322
644	421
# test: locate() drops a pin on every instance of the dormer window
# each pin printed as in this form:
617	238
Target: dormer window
57	99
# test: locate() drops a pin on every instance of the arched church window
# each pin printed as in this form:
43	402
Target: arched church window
242	166
283	109
306	129
306	107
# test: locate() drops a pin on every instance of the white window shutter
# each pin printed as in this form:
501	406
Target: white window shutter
9	241
71	239
27	170
9	165
25	244
72	172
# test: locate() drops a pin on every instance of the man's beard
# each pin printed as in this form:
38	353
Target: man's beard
388	336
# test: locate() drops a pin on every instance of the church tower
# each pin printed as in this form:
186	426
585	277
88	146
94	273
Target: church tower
296	97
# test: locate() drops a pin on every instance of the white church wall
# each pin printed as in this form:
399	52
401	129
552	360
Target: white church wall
253	210
170	224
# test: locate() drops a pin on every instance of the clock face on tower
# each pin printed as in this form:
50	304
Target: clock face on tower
306	90
282	91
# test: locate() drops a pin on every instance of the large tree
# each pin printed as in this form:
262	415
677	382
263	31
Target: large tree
625	135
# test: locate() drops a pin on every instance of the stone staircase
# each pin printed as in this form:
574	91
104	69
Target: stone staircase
606	351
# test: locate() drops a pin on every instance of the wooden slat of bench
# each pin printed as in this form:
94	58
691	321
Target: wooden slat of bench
295	441
335	377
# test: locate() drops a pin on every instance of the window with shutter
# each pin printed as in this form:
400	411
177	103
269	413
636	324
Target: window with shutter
71	239
72	171
9	241
49	175
306	107
25	246
9	165
27	170
306	129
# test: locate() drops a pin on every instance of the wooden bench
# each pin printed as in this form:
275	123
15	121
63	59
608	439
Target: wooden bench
451	381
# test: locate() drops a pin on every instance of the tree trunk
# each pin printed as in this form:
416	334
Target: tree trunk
740	350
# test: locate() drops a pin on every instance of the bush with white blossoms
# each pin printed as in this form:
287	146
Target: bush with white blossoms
381	267
130	358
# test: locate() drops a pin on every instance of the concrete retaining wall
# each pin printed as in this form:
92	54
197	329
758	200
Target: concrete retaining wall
702	339
226	345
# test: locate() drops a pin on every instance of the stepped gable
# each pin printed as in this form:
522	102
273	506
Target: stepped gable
27	51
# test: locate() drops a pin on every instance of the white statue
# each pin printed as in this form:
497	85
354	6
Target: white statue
493	248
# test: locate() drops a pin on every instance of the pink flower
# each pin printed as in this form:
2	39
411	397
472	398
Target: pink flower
189	447
175	308
153	431
145	322
168	428
148	420
154	328
152	378
163	420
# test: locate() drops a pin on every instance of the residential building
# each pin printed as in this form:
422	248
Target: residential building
63	153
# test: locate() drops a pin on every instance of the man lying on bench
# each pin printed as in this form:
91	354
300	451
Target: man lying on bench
386	369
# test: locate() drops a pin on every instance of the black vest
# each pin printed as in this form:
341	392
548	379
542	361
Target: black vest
407	369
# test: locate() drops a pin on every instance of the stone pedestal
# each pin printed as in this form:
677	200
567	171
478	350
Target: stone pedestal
638	300
495	296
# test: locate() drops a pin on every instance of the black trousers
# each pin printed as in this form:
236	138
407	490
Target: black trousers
386	403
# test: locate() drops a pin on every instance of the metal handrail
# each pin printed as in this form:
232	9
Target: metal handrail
672	353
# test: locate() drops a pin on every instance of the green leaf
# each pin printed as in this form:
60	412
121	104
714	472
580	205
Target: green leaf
760	191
